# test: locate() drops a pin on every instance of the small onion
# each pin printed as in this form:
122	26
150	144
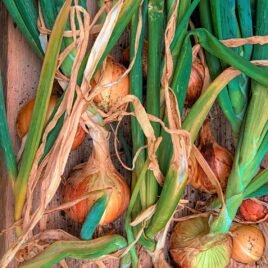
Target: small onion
196	82
248	243
253	211
109	96
97	174
218	158
191	245
25	116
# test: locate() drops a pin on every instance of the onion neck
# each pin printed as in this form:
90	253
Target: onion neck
100	151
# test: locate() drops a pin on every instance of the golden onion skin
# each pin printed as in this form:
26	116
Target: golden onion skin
191	245
248	243
25	116
109	96
97	174
196	82
219	159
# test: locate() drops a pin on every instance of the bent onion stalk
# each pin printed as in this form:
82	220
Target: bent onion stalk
40	110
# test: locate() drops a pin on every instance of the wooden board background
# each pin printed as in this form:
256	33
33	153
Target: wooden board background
20	72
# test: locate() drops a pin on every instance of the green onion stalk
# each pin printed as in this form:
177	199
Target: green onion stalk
175	182
253	141
231	19
212	242
155	33
25	15
185	10
6	146
40	109
92	250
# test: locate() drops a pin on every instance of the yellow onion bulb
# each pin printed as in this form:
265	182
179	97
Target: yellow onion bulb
253	211
97	174
191	245
220	161
109	96
196	82
248	243
25	116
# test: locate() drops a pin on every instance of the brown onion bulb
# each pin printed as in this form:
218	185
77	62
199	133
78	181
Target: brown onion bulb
252	210
196	82
218	158
25	116
97	174
248	243
126	56
109	96
191	245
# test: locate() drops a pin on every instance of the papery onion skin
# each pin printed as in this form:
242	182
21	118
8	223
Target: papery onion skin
219	159
191	245
251	210
97	174
25	116
248	243
109	96
196	82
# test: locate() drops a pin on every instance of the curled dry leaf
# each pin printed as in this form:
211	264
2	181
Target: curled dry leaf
98	173
111	75
126	57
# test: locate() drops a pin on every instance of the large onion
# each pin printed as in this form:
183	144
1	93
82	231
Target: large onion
25	116
218	158
109	96
248	243
191	245
196	82
97	174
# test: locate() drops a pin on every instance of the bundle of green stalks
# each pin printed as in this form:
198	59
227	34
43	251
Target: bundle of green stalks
163	136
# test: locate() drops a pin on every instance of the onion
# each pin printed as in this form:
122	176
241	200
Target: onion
97	174
191	245
25	116
248	243
126	56
109	96
218	158
252	210
196	82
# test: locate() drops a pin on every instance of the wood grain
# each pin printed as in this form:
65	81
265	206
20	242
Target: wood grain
21	70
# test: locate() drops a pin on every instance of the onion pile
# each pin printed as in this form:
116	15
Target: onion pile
110	95
97	174
219	159
25	116
196	82
191	245
248	243
251	210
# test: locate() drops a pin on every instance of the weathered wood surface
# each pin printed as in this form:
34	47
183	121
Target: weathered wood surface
20	69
